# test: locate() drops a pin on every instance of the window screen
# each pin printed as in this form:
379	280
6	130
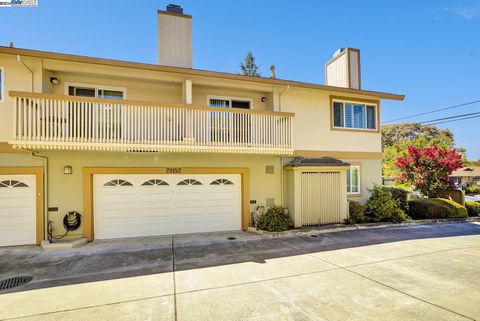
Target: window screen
371	117
241	104
110	94
219	103
338	114
81	91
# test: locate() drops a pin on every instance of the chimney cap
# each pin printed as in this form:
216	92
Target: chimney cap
175	8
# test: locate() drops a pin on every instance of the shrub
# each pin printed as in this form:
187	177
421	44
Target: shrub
426	209
276	219
399	194
472	190
435	208
459	211
473	208
382	207
357	213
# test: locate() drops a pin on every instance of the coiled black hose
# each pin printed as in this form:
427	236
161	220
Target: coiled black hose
71	221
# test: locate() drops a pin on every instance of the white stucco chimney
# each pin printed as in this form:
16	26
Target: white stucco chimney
174	37
343	70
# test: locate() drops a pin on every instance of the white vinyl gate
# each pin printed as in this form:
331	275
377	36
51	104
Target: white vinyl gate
321	198
133	205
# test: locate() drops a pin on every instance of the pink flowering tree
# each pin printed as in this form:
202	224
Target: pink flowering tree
427	169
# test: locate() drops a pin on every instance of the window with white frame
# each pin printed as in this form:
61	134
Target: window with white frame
2	83
95	92
354	115
229	102
353	179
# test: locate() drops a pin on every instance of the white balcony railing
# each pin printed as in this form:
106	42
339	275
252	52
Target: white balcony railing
55	122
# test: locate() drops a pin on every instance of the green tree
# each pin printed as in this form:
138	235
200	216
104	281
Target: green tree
398	137
248	67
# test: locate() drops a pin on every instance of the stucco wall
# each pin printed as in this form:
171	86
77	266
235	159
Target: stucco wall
370	174
66	191
311	125
16	77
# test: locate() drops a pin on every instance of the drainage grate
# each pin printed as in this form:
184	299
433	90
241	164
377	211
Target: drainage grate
231	238
14	282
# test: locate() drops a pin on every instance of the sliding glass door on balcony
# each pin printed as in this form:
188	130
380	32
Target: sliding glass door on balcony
230	127
105	119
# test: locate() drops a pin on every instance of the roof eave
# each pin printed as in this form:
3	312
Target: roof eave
190	71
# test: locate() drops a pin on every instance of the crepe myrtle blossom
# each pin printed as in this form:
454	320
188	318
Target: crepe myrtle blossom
427	169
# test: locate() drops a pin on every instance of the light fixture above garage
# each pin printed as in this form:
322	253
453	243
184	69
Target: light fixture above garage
67	170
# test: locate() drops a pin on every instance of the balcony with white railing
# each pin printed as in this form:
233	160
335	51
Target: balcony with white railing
56	122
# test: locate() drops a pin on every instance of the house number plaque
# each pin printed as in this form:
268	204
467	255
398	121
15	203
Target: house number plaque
174	170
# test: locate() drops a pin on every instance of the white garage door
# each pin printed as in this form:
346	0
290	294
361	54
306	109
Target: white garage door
147	204
17	209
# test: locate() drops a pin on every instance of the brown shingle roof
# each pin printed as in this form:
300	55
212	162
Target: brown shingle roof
467	172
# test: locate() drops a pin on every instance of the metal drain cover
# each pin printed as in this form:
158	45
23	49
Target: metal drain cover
14	282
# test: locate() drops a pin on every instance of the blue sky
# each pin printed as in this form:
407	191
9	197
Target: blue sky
427	50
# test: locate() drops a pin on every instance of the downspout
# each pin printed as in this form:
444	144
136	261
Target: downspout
19	59
45	190
282	158
282	173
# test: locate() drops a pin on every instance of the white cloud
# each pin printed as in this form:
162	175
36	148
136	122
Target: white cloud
471	12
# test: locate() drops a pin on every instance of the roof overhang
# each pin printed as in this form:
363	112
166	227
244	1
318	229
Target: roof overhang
194	72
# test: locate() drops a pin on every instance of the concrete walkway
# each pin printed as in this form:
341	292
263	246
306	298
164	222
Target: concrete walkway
398	273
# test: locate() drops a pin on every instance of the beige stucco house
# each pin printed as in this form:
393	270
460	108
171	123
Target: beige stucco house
155	149
466	176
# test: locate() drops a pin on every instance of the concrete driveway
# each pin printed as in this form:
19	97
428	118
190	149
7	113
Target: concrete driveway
397	273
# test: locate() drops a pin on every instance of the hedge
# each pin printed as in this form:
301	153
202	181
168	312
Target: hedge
473	208
435	208
472	190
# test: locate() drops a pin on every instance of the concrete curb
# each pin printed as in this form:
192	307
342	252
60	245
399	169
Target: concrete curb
366	226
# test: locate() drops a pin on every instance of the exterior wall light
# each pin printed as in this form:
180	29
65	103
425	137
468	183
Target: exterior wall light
67	170
264	99
54	80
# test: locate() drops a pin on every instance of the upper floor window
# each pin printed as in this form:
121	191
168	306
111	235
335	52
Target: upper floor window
2	83
227	102
95	92
354	115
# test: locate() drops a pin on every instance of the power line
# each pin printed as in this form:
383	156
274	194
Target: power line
451	117
453	120
434	111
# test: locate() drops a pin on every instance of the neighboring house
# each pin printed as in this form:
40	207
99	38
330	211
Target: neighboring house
465	176
151	149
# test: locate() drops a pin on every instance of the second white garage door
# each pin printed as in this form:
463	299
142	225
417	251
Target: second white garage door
136	205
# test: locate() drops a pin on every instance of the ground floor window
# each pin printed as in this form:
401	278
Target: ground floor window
353	179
